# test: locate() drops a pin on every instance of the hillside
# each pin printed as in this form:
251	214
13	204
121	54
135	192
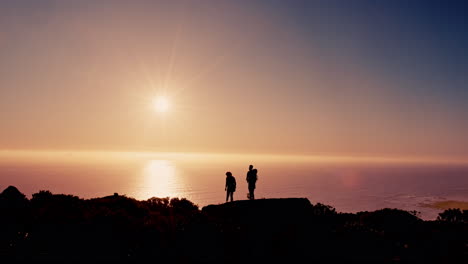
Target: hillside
118	228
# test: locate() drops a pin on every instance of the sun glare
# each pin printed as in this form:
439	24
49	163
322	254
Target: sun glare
161	104
159	179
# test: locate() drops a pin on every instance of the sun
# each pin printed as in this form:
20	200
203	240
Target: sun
161	104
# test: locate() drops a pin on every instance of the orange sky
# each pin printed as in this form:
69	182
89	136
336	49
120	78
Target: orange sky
240	79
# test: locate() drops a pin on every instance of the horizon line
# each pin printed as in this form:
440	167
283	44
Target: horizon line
356	158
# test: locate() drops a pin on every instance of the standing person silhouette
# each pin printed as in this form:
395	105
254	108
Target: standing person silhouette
230	187
251	180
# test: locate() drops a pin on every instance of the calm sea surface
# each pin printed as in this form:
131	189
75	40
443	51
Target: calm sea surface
347	186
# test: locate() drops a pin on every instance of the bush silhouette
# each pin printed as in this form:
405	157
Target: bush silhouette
454	216
118	228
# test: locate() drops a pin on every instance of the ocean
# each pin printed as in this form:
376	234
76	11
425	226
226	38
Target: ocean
347	185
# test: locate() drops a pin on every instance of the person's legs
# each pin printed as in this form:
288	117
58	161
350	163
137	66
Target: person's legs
232	196
227	196
251	193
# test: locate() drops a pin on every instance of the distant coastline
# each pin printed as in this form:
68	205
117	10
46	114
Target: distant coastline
444	205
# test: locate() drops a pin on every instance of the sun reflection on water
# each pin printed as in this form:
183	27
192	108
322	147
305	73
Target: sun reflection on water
159	179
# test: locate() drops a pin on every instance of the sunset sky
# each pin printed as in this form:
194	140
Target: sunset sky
356	78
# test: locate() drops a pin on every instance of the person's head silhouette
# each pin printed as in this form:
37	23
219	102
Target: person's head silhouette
250	167
228	173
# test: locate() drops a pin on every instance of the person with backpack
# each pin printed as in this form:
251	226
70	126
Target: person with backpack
230	187
251	180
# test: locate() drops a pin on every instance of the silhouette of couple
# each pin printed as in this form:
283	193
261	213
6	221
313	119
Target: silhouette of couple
251	179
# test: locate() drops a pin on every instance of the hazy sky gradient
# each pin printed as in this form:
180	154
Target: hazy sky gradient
276	77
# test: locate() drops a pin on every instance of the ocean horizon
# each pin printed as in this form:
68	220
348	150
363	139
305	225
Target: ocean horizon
348	184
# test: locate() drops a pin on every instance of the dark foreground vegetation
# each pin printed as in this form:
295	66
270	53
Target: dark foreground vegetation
66	228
